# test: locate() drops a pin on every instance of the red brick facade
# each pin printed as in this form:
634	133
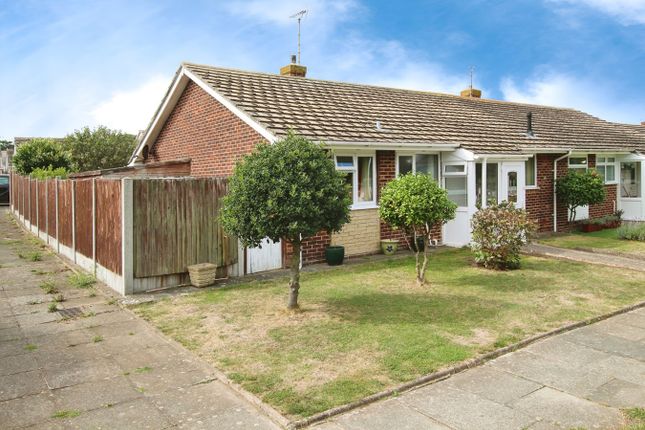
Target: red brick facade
539	200
202	129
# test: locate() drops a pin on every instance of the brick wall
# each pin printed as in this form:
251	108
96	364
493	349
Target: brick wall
202	129
539	201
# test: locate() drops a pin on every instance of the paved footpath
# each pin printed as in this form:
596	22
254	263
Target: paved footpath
579	379
103	368
585	256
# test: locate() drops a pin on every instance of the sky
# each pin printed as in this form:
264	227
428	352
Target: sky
68	64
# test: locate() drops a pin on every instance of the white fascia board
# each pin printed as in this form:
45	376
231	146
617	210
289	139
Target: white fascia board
167	105
390	146
502	156
270	137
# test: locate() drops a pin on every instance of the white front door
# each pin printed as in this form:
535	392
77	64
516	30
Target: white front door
512	183
268	257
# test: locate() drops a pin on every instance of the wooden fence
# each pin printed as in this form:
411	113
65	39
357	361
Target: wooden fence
134	234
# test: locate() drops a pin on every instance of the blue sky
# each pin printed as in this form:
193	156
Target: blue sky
66	64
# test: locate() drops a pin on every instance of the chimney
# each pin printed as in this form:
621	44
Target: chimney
293	69
471	92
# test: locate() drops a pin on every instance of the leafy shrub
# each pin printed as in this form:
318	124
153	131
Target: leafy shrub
415	204
499	231
632	231
577	189
40	153
99	148
49	172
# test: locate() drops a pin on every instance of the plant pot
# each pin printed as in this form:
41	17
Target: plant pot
334	255
202	275
389	246
589	228
418	245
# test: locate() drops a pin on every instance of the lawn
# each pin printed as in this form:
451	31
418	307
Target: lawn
599	241
367	327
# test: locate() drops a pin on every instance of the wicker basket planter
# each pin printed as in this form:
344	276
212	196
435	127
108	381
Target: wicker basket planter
202	275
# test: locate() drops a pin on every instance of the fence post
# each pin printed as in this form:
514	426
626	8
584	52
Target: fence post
94	224
57	222
127	244
74	219
29	187
47	210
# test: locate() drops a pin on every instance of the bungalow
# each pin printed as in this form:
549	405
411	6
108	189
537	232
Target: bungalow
478	149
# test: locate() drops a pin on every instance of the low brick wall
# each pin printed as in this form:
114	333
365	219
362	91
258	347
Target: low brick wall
362	235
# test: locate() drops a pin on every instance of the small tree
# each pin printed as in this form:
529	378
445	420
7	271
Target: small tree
577	189
289	191
416	204
39	153
99	148
499	232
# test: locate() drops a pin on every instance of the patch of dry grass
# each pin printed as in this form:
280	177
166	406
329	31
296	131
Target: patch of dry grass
366	327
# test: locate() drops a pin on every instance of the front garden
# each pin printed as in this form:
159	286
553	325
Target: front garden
366	327
627	240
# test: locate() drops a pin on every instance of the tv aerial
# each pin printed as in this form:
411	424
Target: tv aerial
299	16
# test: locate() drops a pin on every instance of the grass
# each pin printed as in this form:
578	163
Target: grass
600	241
66	413
97	339
30	347
366	327
31	256
49	287
144	369
82	280
53	307
635	418
58	298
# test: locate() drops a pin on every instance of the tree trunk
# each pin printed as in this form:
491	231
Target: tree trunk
421	273
294	282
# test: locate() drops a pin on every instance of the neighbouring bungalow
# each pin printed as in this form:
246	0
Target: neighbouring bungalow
473	146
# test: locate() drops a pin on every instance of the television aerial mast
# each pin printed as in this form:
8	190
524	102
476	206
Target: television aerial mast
299	16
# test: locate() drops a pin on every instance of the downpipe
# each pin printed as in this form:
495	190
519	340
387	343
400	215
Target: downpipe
555	197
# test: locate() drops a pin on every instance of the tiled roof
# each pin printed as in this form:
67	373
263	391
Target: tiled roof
341	112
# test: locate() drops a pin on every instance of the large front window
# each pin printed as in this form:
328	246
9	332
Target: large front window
360	171
630	179
419	163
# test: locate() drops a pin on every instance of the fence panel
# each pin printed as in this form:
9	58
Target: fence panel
41	197
108	224
83	214
32	201
65	212
51	207
175	225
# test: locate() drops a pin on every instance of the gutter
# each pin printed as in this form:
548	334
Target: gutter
390	145
555	197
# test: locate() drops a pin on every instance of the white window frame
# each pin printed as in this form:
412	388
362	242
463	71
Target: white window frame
454	163
398	154
354	170
578	166
605	163
535	175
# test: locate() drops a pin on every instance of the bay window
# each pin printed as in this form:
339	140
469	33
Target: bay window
606	168
360	176
455	183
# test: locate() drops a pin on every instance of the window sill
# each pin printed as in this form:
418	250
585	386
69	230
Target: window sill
611	183
531	187
363	206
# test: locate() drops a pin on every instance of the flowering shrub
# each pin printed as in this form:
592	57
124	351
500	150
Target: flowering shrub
499	231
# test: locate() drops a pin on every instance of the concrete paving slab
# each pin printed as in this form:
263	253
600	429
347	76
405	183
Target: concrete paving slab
11	334
392	414
619	394
463	410
568	353
26	411
21	384
595	338
619	329
13	347
161	379
17	364
85	396
82	371
137	414
635	318
623	368
493	384
233	418
52	357
569	411
64	339
130	360
191	405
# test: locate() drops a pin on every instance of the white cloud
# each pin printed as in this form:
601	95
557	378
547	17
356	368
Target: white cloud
563	90
131	110
625	11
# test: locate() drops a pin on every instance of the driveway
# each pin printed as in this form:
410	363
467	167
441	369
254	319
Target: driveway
580	379
93	364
